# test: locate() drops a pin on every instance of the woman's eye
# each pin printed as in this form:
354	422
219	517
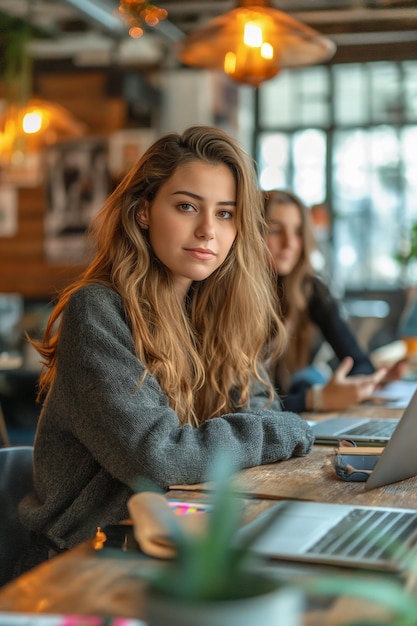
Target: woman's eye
227	215
186	207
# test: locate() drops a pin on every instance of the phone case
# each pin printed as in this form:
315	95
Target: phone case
355	464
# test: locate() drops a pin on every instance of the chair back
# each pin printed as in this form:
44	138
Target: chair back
16	480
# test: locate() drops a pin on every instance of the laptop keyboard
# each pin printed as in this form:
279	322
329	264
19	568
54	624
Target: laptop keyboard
376	428
367	534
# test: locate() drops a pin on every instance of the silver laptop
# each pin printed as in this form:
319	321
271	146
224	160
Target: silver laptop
349	535
374	538
365	430
396	394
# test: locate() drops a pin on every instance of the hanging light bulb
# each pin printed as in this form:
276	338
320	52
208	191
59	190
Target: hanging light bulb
253	42
138	13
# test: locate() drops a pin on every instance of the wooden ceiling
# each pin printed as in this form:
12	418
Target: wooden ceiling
88	31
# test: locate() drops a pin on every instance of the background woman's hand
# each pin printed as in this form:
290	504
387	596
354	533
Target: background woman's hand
343	390
396	371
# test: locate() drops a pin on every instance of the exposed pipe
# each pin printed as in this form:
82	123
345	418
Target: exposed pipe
101	13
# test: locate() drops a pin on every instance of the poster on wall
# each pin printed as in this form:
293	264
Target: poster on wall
77	184
8	211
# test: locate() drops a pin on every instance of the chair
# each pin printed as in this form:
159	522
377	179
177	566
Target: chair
16	479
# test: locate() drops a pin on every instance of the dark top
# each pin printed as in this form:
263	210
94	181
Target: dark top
324	312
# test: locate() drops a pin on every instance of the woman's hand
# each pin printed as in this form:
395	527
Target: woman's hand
396	371
343	390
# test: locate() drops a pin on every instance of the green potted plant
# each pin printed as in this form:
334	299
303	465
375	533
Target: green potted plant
212	580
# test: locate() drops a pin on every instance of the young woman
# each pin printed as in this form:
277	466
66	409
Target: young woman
307	307
153	359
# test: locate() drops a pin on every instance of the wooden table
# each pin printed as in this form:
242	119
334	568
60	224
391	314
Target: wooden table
313	477
86	581
91	582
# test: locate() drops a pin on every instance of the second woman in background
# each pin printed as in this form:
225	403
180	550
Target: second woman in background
308	306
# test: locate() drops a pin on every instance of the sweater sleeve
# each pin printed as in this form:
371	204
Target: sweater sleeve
129	427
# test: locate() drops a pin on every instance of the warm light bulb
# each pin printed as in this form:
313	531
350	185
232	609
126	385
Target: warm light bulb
252	35
267	51
136	32
230	63
32	122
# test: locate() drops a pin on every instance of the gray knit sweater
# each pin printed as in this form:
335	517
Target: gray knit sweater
98	430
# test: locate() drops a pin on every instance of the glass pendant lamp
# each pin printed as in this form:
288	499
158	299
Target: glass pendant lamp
253	42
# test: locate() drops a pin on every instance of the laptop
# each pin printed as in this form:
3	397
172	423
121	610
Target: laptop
395	395
377	538
362	430
367	430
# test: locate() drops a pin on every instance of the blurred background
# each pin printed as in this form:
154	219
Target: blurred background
336	122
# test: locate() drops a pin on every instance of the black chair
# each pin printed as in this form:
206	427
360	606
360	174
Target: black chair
16	480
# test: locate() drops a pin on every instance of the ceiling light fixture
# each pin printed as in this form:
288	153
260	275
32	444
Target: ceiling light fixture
253	42
27	123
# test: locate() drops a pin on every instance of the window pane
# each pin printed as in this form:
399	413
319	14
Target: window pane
278	108
309	155
313	96
386	97
350	94
299	97
410	78
273	161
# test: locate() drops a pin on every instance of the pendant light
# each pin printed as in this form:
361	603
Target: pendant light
253	42
27	123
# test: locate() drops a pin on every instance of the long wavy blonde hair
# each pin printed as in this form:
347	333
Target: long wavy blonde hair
205	352
294	291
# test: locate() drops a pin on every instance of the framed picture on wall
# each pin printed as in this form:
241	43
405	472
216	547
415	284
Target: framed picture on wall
77	184
126	147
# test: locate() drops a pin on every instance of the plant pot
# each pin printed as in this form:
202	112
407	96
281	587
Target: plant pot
283	605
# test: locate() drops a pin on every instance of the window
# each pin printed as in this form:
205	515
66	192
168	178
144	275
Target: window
345	136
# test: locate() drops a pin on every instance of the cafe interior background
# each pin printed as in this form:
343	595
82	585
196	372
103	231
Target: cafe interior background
331	113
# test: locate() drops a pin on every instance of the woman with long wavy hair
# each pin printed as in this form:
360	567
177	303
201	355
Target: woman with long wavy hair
308	308
154	358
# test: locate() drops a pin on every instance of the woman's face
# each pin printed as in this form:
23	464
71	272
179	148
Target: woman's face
284	236
192	221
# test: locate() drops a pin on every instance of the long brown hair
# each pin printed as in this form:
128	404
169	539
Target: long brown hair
206	352
294	290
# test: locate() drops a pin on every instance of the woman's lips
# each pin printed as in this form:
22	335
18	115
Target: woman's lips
203	254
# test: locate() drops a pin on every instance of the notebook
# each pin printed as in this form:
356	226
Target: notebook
356	536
